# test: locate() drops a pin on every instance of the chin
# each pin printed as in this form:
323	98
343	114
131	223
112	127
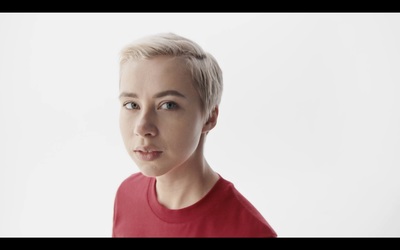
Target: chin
150	171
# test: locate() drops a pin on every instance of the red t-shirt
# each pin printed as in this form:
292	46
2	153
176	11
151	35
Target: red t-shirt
223	212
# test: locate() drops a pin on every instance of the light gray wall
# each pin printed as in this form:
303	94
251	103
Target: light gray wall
308	127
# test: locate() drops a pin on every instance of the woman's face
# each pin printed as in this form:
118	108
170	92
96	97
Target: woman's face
161	118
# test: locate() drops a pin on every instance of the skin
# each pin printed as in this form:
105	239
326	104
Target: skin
164	128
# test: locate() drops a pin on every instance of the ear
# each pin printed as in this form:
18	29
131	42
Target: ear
212	121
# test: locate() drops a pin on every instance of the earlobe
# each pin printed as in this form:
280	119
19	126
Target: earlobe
212	121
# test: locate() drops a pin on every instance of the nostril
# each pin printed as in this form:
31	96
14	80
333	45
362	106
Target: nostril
145	130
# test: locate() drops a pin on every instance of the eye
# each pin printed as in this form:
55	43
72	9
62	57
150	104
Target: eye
131	105
169	105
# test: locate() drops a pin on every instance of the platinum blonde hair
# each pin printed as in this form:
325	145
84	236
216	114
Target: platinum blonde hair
204	68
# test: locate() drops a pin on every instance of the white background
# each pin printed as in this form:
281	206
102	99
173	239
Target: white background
308	128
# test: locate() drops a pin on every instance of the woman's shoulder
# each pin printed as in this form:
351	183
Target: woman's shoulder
238	209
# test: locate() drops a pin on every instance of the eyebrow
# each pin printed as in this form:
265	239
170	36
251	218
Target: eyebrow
158	95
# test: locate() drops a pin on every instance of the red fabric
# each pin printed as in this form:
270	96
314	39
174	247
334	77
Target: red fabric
223	212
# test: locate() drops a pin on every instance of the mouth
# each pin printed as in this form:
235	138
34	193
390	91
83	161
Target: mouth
147	153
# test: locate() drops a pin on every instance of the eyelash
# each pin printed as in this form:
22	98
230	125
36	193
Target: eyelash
175	106
130	103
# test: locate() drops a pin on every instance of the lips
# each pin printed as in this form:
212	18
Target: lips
147	153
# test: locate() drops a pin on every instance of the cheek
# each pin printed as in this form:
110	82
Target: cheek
183	133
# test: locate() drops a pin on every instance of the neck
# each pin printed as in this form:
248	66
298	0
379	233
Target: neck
187	184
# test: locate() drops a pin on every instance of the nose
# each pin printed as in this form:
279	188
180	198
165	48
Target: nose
145	125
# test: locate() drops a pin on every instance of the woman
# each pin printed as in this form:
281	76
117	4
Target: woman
170	91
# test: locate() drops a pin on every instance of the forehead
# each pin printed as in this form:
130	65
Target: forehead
158	73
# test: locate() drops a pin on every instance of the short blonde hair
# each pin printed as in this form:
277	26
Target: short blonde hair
204	68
